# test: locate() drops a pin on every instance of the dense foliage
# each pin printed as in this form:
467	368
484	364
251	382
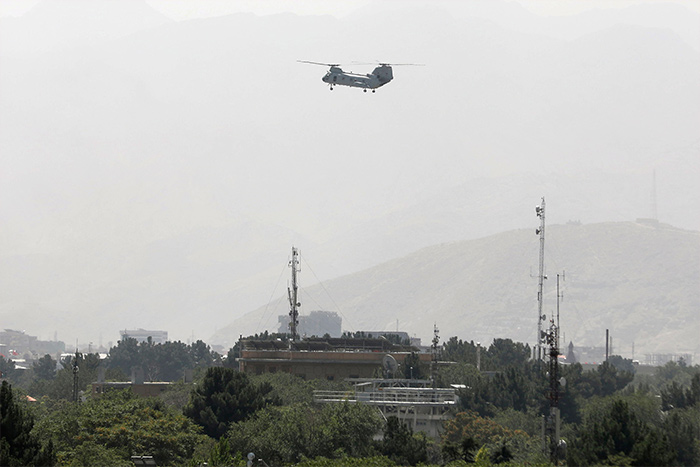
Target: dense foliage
225	396
161	362
610	416
18	445
117	426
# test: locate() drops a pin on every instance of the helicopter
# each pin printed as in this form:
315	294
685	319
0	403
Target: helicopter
380	76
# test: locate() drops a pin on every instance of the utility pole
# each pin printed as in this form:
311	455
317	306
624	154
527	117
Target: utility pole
539	210
293	292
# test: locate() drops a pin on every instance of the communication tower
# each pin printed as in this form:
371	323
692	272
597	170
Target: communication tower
76	369
434	361
292	292
539	210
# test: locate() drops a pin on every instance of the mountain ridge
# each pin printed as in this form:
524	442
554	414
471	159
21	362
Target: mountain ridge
488	283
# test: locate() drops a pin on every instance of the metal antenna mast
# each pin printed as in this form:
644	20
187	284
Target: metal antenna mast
292	292
76	369
552	444
560	296
434	360
539	210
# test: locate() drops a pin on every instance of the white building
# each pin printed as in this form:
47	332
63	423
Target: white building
142	335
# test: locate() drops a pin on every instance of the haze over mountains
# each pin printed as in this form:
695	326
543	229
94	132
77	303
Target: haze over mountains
638	280
156	173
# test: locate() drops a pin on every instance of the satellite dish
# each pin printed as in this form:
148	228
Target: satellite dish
389	364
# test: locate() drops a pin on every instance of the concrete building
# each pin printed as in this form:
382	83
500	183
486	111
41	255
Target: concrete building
19	344
142	335
332	359
317	323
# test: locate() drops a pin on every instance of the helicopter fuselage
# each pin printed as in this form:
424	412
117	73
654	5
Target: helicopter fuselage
379	77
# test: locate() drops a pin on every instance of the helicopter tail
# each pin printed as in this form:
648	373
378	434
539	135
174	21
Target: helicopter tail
383	73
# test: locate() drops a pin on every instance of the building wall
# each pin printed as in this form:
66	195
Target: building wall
316	323
319	364
142	335
26	346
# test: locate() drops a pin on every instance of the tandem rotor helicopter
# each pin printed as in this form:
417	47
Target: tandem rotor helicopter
380	76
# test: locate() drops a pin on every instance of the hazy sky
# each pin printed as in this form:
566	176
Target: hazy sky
157	171
188	9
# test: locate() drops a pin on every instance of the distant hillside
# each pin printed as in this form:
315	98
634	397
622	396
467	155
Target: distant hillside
638	280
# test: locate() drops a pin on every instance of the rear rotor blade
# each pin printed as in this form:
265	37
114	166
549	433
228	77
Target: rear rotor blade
318	63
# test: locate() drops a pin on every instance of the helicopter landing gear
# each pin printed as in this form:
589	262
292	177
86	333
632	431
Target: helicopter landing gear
364	90
373	90
330	87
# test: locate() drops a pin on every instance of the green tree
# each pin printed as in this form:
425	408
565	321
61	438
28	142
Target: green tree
18	445
7	368
221	456
674	395
622	364
202	356
456	350
603	381
233	353
459	373
503	353
125	355
401	445
45	368
682	426
616	434
285	435
223	397
89	454
118	425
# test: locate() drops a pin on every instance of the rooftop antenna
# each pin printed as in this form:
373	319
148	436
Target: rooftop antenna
293	292
539	210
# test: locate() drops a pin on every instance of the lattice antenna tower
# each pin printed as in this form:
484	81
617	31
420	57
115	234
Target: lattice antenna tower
435	354
539	210
76	369
293	293
560	298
